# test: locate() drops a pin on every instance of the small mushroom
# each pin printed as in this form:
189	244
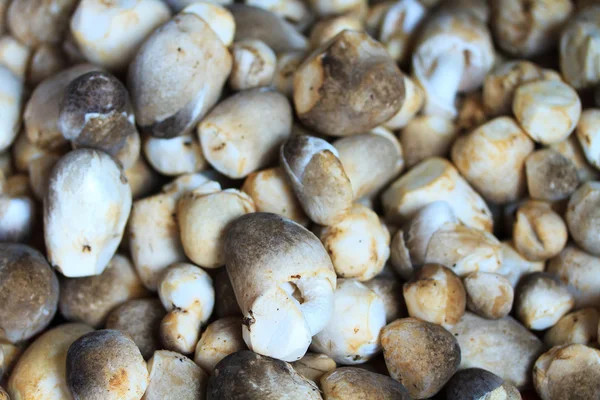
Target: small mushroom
479	384
317	176
254	65
28	292
106	365
46	60
426	136
550	175
93	236
181	102
579	326
365	86
583	217
11	99
489	295
243	133
568	372
572	150
326	29
220	339
314	365
420	355
40	372
14	55
252	376
34	22
435	294
284	283
140	319
17	209
357	383
24	152
174	376
175	156
389	289
547	110
413	102
541	300
514	265
352	335
217	17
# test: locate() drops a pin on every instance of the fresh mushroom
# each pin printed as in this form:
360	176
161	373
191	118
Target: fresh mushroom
413	102
174	376
579	326
314	365
46	60
426	136
477	383
514	265
34	22
583	217
356	383
254	65
220	339
489	295
550	175
11	99
14	55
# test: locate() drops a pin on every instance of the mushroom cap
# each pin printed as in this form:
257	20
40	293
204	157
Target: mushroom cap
254	64
550	175
34	22
14	55
254	377
358	383
217	17
389	288
479	384
174	376
220	339
28	292
106	365
572	149
579	326
314	365
489	295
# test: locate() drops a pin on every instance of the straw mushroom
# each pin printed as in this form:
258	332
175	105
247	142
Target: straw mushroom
9	355
413	102
514	265
579	326
287	64
295	11
14	55
46	60
389	289
314	365
588	135
34	22
426	136
583	217
220	339
358	383
573	151
550	175
325	8
477	383
326	29
11	95
488	295
17	209
174	376
254	65
217	17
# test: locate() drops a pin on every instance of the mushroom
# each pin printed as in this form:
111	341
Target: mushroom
567	372
175	156
583	217
9	355
46	60
217	17
40	372
514	265
492	159
252	376
547	110
550	175
352	334
471	113
28	292
181	102
106	365
97	226
17	209
287	64
453	54
174	376
413	102
435	294
541	300
91	299
588	135
572	150
358	383
527	29
271	192
142	179
34	22
431	180
283	281
354	75
539	233
11	99
254	65
326	29
477	383
314	365
317	176
14	55
188	295
389	289
426	136
220	339
579	326
243	133
489	295
225	302
294	11
420	355
325	8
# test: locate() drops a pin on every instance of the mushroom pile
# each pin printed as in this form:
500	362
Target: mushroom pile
299	199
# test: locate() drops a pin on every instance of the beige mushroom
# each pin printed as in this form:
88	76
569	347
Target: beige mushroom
427	136
357	383
220	339
389	288
17	209
514	265
314	365
489	295
142	179
9	355
34	22
326	29
14	55
174	376
254	65
572	150
46	60
11	99
24	152
175	156
217	17
583	217
324	8
579	326
471	112
477	383
550	175
588	135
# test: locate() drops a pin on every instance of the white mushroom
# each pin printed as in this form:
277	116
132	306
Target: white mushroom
11	99
427	136
17	209
573	151
14	55
550	175
254	65
314	365
514	265
583	217
588	134
220	339
413	102
295	11
174	376
217	17
175	156
489	295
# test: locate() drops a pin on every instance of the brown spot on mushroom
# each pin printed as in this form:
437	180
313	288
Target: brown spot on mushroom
86	248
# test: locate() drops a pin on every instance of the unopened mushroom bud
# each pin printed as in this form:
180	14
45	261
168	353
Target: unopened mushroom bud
581	271
370	160
413	102
358	383
352	335
14	55
244	132
91	299
488	295
93	235
528	29
175	156
366	89
326	29
283	280
40	372
252	376
11	99
174	376
220	339
435	294
539	233
316	173
541	300
431	180
108	35
550	175
573	151
287	64
46	60
271	192
453	54
420	355
577	327
390	291
185	100
426	136
588	134
492	158
202	221
140	319
106	365
567	372
314	365
579	49
583	217
358	244
479	384
547	110
28	292
514	265
254	65
34	22
185	289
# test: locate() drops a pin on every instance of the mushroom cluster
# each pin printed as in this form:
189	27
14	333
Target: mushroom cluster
299	199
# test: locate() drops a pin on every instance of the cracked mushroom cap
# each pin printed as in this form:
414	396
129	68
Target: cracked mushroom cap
28	292
174	376
357	383
11	99
93	237
251	376
106	365
583	217
34	22
220	339
489	295
314	365
579	326
479	384
353	75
